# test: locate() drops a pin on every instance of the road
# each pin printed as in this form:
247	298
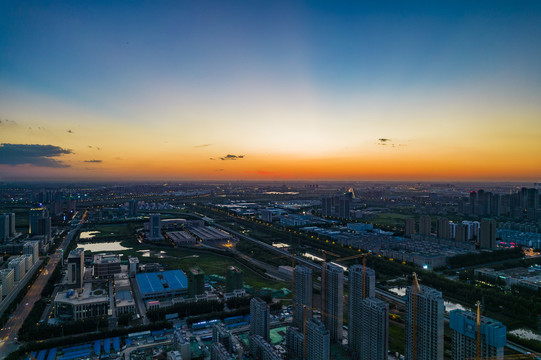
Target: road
9	332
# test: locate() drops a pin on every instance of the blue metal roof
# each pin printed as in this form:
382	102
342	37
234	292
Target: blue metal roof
150	283
176	279
52	354
41	355
97	347
116	343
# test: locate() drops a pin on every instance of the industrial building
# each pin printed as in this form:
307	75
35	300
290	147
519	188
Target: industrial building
210	234
181	238
161	285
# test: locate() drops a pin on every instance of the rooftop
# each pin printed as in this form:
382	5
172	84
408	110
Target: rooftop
158	282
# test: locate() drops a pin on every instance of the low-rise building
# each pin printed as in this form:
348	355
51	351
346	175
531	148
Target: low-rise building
71	305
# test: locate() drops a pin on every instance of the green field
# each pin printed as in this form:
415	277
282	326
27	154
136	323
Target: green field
396	337
389	219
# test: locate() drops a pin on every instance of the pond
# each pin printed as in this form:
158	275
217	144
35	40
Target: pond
103	247
449	306
88	234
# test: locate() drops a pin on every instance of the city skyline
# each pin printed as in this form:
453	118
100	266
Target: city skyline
281	91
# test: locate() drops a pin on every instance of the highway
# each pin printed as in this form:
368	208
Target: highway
8	334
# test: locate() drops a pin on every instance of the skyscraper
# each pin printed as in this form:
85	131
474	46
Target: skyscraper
39	222
155	227
374	324
303	294
463	326
356	284
425	225
318	341
259	318
424	326
234	279
76	267
334	300
4	227
487	234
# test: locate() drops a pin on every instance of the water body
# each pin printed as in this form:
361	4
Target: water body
449	306
103	247
88	234
312	257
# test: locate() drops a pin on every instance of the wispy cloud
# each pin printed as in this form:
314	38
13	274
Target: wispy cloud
7	122
232	157
33	154
93	161
202	145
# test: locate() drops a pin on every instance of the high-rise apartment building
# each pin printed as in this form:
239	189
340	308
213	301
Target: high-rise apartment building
410	226
318	340
219	352
221	335
374	327
487	234
196	282
463	326
443	228
303	294
259	318
234	279
424	325
362	285
337	205
294	343
425	225
334	300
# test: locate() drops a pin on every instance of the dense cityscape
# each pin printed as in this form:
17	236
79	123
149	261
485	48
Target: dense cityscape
270	270
270	180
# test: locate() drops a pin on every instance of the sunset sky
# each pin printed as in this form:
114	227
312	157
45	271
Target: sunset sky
322	90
